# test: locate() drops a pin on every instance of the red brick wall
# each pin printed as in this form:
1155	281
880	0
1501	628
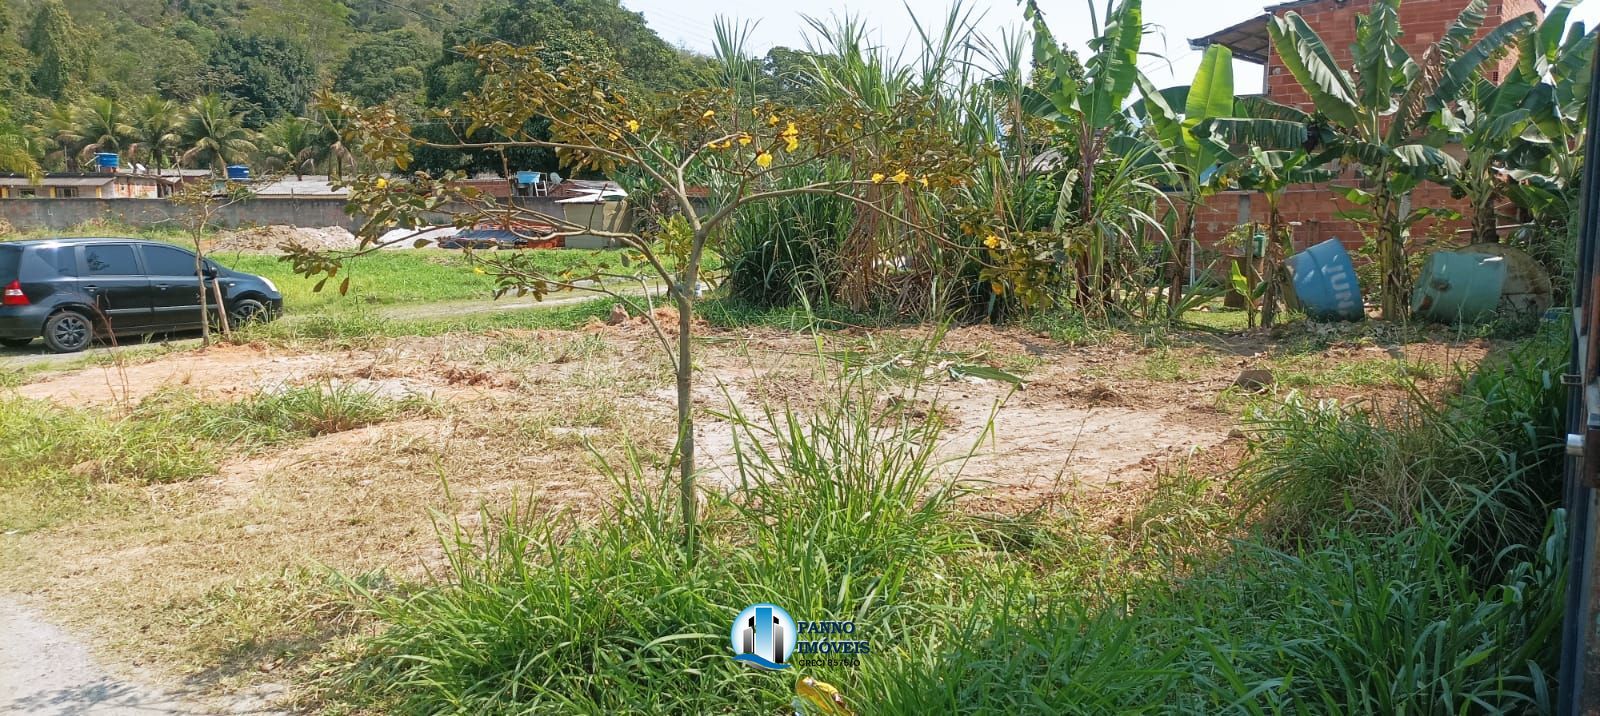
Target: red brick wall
1422	22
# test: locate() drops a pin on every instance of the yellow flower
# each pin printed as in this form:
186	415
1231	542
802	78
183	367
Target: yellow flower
999	289
744	140
791	144
709	114
992	241
383	183
792	131
772	121
923	181
633	125
900	177
764	160
614	136
478	270
877	177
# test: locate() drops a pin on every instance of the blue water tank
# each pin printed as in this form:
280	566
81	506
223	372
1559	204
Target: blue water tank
238	172
106	160
1325	283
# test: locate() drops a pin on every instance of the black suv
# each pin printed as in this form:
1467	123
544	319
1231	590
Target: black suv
70	290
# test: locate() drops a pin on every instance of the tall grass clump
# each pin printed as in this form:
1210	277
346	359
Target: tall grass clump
840	515
781	251
1360	624
1486	459
277	415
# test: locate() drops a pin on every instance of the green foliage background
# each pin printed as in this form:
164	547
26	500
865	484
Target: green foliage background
268	56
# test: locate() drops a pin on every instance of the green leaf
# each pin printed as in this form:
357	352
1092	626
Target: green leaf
1357	196
1460	70
1312	65
1259	107
1272	134
1211	93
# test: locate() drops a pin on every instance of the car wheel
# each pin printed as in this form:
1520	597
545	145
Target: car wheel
15	342
68	332
245	311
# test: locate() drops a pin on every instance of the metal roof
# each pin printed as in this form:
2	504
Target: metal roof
1247	39
59	181
310	187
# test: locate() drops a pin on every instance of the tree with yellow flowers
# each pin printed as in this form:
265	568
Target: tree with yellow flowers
736	149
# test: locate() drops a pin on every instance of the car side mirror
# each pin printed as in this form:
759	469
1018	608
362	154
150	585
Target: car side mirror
209	272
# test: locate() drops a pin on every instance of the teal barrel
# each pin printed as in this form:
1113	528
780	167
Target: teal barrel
1325	284
1459	287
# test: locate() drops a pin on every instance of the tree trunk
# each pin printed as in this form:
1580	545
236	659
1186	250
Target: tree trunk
1180	259
1391	256
1088	291
688	505
1270	271
1483	223
200	272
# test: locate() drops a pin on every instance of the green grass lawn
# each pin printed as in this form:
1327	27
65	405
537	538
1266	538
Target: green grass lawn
398	277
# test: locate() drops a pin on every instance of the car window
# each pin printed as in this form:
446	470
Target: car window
167	261
110	260
47	262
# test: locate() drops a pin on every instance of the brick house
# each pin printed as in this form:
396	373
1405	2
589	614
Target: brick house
1316	208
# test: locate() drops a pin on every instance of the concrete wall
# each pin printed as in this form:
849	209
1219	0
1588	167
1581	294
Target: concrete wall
62	214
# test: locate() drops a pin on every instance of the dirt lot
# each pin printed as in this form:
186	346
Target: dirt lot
223	580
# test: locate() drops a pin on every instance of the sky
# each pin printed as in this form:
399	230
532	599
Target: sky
688	23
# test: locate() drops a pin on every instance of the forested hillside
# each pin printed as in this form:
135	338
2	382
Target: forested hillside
207	82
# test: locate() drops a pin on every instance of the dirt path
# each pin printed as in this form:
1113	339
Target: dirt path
45	671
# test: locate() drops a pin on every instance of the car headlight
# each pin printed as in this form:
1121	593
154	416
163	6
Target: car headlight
270	285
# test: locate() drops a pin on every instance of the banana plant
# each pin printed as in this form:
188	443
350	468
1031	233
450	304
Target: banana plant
1275	147
1090	110
1271	173
1193	158
1496	133
1551	82
1380	108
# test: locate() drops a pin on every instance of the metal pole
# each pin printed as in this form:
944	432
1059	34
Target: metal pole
1578	495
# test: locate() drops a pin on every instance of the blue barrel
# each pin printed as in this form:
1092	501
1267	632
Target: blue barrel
1459	287
106	160
238	172
1325	283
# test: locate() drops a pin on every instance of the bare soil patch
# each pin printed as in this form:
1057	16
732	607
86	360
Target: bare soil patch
223	578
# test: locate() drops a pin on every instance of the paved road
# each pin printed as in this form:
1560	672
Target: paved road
44	671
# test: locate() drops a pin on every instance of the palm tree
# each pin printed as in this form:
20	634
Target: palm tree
292	143
101	127
157	124
58	128
17	151
214	134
